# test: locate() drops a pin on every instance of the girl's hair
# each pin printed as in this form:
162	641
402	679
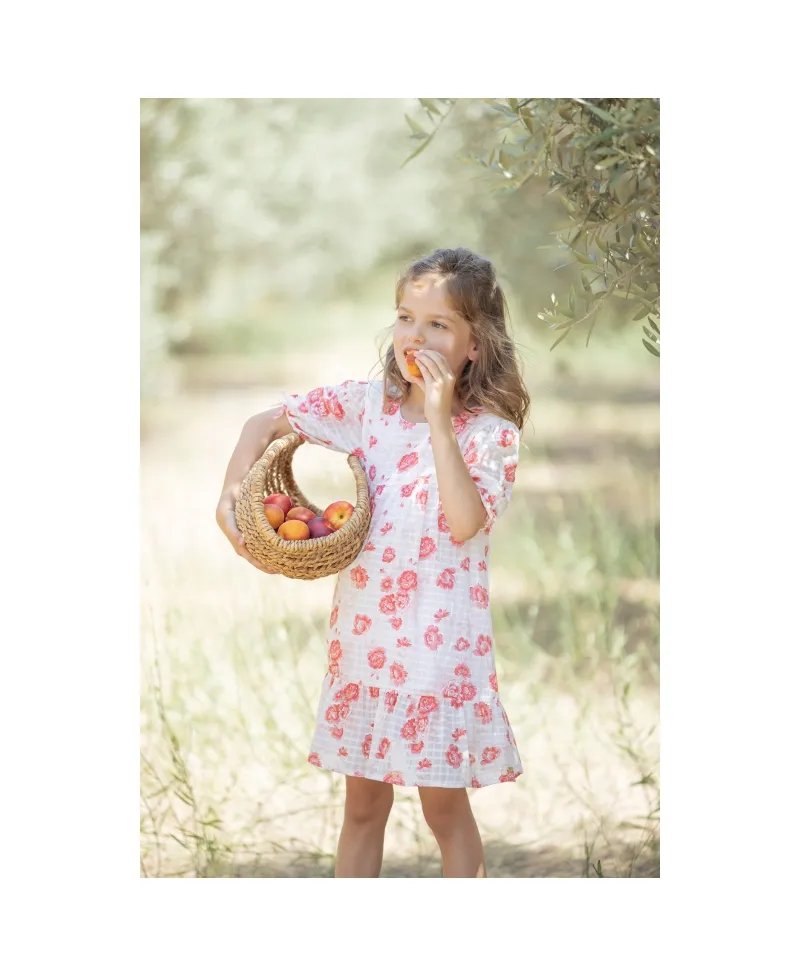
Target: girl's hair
493	380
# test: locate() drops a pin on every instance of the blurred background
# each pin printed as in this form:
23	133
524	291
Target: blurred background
272	233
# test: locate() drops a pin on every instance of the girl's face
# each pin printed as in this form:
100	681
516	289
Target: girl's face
427	320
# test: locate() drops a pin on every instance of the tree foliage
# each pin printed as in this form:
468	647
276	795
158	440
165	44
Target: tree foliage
602	158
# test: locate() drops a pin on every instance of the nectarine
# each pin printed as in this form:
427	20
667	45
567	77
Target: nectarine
294	529
274	515
337	514
281	500
318	529
300	512
411	364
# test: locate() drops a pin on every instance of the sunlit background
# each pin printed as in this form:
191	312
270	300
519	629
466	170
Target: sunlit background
272	234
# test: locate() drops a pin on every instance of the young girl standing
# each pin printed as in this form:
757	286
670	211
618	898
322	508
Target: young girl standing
410	696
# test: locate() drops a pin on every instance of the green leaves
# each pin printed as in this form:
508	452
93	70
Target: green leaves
606	163
653	340
418	132
601	157
430	105
600	113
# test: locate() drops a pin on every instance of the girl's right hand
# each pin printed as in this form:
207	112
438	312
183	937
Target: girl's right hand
226	520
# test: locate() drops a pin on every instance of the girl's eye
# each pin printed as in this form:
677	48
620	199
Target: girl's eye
407	318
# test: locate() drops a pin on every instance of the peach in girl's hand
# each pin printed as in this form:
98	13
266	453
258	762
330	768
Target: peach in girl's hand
281	500
294	529
337	514
300	512
318	529
274	515
411	364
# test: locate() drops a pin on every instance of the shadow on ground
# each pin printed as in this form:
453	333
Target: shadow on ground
502	861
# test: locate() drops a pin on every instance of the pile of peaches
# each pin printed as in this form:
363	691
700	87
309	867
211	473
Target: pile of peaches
292	521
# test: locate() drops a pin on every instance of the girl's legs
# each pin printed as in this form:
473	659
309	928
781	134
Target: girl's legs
449	816
366	811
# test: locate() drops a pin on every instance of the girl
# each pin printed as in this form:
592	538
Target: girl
410	696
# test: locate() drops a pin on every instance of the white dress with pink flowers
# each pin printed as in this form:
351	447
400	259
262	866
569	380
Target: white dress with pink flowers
410	696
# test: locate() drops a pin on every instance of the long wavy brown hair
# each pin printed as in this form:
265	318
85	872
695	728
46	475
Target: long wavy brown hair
493	380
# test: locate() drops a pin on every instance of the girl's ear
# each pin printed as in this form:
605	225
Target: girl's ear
473	352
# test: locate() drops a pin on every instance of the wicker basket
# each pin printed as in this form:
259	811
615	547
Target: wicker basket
303	559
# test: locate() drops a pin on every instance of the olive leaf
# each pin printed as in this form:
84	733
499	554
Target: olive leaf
601	157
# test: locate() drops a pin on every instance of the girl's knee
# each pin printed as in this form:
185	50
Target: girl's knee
444	808
368	802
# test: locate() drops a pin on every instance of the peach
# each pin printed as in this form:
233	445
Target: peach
300	512
411	364
281	500
337	514
293	529
274	515
317	528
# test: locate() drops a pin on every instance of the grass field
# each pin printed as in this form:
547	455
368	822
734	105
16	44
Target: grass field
232	660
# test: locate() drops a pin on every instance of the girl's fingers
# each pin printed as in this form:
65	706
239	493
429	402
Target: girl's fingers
245	553
423	361
437	364
426	370
424	358
236	539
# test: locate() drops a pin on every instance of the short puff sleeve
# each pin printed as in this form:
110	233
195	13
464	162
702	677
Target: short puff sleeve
328	416
491	457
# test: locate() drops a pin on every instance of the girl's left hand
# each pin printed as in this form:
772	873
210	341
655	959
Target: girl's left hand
439	384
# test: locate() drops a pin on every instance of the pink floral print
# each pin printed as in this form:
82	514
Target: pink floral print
410	696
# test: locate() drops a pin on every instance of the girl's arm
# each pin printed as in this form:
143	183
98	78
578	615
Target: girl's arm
257	435
458	494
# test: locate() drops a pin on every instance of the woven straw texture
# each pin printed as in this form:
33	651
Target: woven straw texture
302	559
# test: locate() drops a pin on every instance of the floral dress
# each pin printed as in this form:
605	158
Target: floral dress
410	696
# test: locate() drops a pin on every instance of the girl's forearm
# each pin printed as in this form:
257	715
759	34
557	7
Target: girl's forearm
257	435
458	494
